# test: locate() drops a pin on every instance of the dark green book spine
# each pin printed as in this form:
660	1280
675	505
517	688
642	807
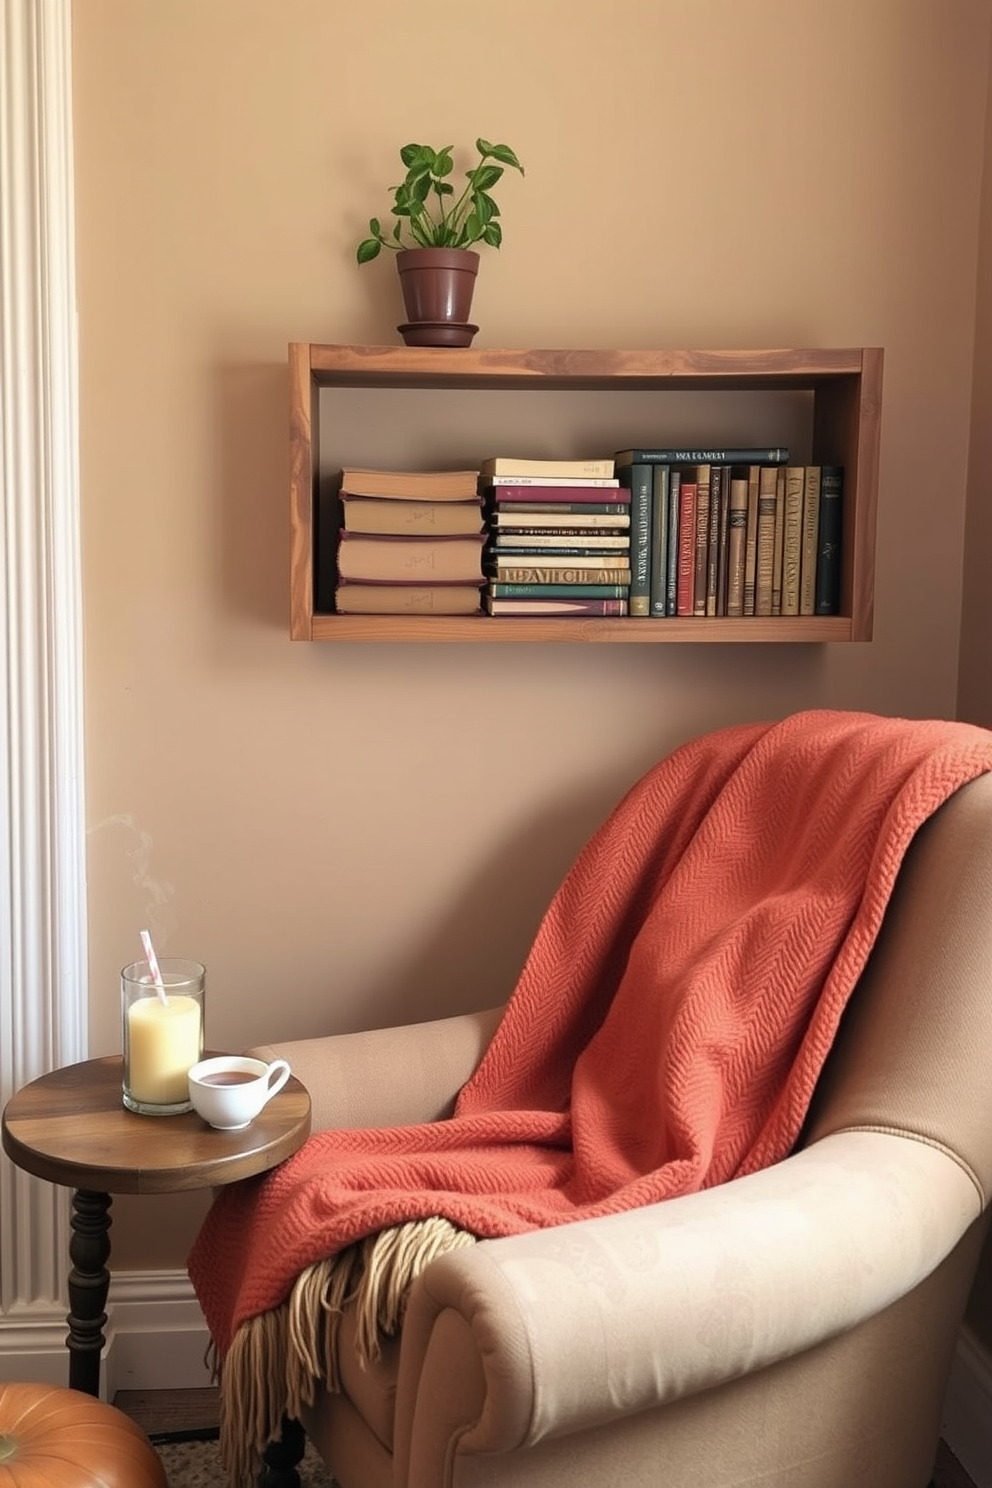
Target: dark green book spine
753	455
639	478
557	591
570	508
828	550
659	540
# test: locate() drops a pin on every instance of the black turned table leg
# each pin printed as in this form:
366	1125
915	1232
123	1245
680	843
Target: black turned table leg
89	1283
281	1457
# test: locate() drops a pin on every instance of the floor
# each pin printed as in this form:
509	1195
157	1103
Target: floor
191	1412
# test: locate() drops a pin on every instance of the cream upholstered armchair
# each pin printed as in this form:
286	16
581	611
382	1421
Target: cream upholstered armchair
789	1329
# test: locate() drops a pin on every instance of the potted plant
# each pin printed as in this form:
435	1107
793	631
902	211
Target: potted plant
432	237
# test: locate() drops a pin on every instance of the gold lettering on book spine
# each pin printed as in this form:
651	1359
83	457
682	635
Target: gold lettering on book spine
509	575
765	557
795	480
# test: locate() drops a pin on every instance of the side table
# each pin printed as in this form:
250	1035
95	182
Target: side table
72	1128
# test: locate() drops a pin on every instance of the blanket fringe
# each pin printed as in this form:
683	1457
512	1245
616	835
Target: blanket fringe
276	1359
391	1262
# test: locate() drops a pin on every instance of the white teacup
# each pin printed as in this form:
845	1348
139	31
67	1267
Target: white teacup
229	1090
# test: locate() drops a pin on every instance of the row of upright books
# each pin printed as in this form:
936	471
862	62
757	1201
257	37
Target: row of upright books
733	532
648	532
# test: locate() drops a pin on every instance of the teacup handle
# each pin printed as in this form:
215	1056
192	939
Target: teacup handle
276	1076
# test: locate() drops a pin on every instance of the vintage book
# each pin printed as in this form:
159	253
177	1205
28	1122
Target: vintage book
736	539
558	591
410	560
658	579
514	465
811	525
674	513
553	561
792	537
584	509
716	578
378	514
411	485
528	518
565	542
778	539
553	488
507	608
827	589
639	480
700	558
686	570
751	545
765	540
407	599
757	456
508	572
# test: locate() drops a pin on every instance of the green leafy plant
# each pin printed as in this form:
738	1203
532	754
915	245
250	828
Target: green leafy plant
429	215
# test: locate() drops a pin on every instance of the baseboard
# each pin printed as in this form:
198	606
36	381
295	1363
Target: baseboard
967	1421
32	1348
157	1338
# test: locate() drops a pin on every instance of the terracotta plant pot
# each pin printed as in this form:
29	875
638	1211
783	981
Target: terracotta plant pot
437	286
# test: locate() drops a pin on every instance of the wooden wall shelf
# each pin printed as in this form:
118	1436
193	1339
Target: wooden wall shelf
845	388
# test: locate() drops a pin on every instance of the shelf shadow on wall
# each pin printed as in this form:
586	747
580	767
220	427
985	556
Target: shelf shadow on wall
250	491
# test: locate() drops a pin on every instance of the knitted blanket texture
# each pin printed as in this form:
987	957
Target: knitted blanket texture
670	1022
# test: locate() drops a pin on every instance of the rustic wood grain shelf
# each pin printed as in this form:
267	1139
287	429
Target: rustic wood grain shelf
845	387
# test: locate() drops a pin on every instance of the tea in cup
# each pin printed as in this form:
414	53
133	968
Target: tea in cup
229	1090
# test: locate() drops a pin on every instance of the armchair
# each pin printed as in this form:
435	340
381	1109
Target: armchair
793	1328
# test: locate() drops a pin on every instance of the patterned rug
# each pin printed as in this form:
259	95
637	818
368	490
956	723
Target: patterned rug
196	1464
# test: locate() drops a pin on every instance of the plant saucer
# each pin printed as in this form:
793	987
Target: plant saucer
438	333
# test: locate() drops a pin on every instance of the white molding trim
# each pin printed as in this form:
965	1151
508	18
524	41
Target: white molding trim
32	1348
158	1338
43	982
967	1423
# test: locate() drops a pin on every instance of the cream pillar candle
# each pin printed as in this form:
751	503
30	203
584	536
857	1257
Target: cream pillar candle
163	1044
162	1006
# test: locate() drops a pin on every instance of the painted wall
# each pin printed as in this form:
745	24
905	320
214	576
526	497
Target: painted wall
975	685
323	825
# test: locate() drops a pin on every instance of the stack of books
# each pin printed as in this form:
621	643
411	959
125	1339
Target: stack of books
410	542
559	537
732	531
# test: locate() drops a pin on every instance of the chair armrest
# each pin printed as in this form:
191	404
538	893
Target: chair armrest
565	1328
388	1076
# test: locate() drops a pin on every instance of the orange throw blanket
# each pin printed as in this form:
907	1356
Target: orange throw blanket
671	1020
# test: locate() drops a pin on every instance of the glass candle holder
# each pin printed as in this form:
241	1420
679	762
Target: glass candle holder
162	1036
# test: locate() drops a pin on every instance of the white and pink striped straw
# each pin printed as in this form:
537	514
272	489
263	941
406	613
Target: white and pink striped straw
153	967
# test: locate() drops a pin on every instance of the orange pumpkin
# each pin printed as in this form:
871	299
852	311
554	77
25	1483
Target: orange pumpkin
57	1438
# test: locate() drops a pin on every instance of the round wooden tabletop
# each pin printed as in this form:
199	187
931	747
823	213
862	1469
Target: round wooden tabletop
71	1127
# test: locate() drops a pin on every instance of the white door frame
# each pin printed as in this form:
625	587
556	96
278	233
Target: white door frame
43	948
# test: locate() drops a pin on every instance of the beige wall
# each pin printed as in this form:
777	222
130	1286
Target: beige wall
324	826
975	686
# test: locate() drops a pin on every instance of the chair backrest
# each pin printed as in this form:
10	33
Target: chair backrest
912	1053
